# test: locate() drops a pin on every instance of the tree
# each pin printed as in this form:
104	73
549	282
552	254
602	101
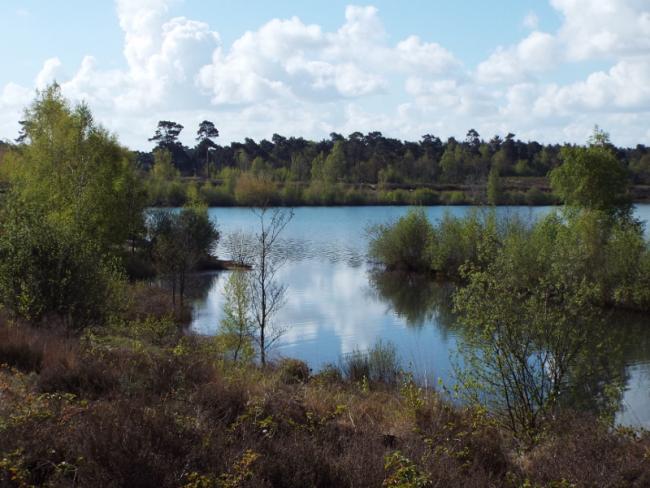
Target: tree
450	163
334	166
163	169
317	167
207	131
267	294
76	172
239	246
237	327
493	186
167	133
529	338
473	140
51	272
593	178
179	241
300	167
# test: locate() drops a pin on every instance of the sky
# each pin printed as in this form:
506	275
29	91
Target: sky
546	70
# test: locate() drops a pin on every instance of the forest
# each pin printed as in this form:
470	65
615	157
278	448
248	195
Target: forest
361	169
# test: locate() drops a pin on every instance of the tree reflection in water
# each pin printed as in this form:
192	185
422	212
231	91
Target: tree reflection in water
416	298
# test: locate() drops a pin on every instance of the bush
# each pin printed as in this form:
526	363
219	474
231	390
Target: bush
216	196
378	365
425	196
458	240
534	196
255	191
403	245
329	374
293	371
21	347
455	198
52	272
292	194
72	372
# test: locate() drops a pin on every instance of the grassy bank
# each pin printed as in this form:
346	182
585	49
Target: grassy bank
245	191
238	191
142	404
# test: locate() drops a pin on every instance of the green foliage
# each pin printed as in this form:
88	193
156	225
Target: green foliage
493	186
610	255
404	244
403	473
179	241
254	190
334	167
77	172
237	328
49	271
533	332
534	196
456	241
592	178
75	201
379	365
163	168
159	331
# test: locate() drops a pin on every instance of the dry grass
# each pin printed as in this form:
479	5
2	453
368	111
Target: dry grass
156	417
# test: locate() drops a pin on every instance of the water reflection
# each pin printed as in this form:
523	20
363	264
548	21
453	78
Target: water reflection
336	303
416	298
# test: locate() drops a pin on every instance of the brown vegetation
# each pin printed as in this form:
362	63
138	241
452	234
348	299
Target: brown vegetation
106	410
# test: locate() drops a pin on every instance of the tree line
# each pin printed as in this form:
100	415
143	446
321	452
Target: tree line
370	158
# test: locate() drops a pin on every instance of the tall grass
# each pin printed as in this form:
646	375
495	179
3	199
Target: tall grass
380	364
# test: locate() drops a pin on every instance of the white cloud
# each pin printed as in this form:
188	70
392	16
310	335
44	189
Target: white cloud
302	79
604	28
537	52
625	87
531	21
48	73
289	59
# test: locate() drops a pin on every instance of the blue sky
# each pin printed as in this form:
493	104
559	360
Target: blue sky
547	70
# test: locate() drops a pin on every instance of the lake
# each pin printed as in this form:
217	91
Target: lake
336	303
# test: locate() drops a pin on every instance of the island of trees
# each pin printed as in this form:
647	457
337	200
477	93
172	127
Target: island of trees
102	385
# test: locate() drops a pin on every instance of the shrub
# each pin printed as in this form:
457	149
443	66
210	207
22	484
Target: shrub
355	366
216	196
425	196
292	194
378	365
403	245
21	348
459	240
534	196
329	374
53	271
293	371
384	363
455	198
254	190
72	372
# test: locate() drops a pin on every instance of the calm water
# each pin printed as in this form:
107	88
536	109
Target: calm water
336	304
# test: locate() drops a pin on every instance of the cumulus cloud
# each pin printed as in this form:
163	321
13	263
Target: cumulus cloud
625	87
606	28
536	53
48	73
292	60
302	79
